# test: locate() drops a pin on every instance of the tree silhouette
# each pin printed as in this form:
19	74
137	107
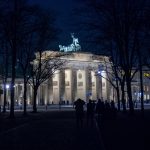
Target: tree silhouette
118	23
26	29
43	68
39	32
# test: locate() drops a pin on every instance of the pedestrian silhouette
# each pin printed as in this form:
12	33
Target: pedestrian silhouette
90	112
113	109
79	112
100	108
107	112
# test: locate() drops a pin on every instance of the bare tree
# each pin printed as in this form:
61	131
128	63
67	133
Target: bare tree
28	28
39	32
121	23
12	22
43	68
4	71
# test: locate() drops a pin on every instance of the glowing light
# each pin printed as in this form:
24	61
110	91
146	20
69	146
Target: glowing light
7	86
99	72
146	74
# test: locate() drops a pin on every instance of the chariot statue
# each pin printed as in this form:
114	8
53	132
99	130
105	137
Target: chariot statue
73	47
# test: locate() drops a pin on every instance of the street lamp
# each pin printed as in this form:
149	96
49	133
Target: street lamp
7	86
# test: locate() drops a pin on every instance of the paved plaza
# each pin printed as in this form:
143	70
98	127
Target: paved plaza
57	130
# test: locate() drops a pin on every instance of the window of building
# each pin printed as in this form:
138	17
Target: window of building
144	88
67	83
55	83
80	83
103	84
65	75
80	76
147	88
93	83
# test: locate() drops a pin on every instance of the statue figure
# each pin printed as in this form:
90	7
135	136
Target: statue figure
75	46
60	47
75	40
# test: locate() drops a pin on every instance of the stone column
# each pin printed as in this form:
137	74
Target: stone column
105	90
74	85
68	86
88	82
62	85
16	94
94	86
28	94
99	87
82	84
38	96
50	91
45	94
57	87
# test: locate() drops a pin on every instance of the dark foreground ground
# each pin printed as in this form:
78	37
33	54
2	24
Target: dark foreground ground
56	130
126	132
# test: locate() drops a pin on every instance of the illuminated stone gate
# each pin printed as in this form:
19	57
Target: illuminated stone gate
77	79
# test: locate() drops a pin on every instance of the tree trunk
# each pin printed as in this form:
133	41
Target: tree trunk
34	100
5	92
129	92
142	92
118	98
117	88
12	97
118	95
14	52
6	57
25	97
123	97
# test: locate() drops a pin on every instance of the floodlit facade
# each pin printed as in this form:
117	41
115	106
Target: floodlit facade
83	75
78	79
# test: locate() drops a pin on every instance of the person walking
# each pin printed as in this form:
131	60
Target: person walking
79	104
90	112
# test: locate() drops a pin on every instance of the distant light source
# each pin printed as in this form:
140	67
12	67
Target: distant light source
99	72
7	86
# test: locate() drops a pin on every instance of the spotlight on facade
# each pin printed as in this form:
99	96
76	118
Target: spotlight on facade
7	86
99	72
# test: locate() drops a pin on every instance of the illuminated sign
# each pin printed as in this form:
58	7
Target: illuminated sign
146	74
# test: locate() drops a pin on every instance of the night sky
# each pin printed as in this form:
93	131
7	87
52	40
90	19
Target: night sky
64	20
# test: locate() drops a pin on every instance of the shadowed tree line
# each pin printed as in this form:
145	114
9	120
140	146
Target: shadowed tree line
119	28
26	29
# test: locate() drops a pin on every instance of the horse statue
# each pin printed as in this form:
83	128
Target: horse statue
74	46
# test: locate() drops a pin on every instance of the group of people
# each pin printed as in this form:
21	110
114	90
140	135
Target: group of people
102	109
